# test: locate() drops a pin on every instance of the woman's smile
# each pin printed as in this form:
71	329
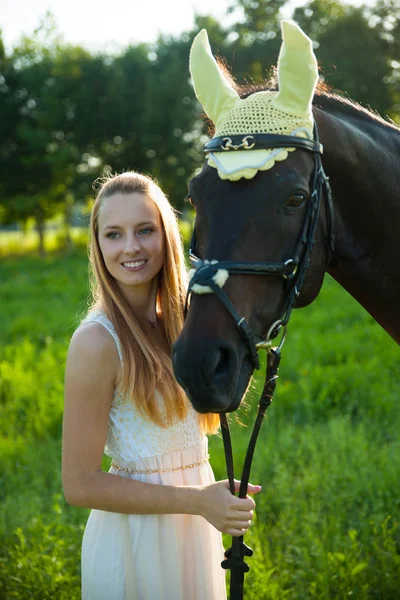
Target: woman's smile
136	265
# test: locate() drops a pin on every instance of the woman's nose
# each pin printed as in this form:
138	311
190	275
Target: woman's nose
132	245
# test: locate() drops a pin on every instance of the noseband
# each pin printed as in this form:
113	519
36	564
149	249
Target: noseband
293	270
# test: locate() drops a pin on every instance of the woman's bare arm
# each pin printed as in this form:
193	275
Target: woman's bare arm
90	376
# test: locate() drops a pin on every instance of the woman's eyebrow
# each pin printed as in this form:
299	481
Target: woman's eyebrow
137	225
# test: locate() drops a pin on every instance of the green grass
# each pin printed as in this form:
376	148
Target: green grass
328	457
17	243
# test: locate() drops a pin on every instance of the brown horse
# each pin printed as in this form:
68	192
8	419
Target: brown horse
261	219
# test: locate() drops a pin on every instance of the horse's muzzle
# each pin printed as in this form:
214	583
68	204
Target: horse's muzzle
208	371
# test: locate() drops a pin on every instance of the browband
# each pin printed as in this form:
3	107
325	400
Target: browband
260	141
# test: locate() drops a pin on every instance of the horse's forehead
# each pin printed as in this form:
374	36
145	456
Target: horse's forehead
212	190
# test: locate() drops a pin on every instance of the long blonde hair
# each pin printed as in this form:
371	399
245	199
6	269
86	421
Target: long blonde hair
146	367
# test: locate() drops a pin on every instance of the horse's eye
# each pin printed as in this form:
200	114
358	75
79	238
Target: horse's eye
295	200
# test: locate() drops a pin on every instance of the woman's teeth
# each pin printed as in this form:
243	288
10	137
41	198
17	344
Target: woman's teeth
133	265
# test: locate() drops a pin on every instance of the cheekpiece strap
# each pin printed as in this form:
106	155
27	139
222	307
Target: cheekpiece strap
260	141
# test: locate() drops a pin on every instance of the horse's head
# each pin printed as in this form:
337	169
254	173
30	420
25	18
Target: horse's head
257	206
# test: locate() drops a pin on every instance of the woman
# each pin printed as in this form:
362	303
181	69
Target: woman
154	531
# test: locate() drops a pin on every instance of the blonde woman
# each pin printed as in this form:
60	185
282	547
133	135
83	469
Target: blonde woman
154	529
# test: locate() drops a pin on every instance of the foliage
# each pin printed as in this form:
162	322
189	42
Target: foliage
41	562
328	517
328	459
19	243
69	116
330	22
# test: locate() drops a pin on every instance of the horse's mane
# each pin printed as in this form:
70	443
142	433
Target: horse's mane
333	101
325	98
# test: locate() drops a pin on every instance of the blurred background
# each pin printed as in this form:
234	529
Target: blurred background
85	89
88	88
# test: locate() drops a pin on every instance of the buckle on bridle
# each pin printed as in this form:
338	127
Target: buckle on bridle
273	331
288	263
227	144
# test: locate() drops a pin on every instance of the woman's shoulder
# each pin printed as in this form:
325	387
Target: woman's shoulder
91	332
91	369
92	340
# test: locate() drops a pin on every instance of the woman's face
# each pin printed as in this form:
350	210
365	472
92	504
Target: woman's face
131	239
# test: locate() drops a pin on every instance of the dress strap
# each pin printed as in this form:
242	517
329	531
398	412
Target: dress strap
99	317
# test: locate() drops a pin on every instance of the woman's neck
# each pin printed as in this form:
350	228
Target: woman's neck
142	300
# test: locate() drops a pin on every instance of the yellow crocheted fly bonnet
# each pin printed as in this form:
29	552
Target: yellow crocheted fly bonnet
286	112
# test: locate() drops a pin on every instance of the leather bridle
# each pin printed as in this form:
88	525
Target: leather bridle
293	271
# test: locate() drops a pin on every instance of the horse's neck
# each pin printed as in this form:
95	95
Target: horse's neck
362	160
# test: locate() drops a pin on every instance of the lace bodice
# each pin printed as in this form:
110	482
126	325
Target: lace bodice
130	436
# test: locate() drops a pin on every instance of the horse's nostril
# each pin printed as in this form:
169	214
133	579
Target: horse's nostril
216	364
223	364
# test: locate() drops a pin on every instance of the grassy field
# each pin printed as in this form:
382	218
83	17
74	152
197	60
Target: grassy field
328	458
18	243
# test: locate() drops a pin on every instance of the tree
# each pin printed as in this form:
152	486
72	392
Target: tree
351	53
36	154
68	116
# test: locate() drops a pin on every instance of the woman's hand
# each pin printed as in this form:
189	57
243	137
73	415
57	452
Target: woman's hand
228	513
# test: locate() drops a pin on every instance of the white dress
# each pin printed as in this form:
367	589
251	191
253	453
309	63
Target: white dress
152	557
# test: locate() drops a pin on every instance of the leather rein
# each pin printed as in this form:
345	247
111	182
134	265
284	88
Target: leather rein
293	271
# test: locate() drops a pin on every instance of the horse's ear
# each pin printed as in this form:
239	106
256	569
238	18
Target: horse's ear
297	71
213	91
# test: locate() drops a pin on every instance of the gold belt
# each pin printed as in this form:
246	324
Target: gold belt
145	472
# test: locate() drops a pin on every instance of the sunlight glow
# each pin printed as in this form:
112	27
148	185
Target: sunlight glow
109	26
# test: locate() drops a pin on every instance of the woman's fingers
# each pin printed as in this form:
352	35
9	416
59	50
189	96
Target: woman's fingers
225	511
242	524
244	503
241	515
251	489
235	532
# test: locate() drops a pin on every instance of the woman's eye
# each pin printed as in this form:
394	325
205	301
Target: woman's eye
112	235
145	231
295	200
